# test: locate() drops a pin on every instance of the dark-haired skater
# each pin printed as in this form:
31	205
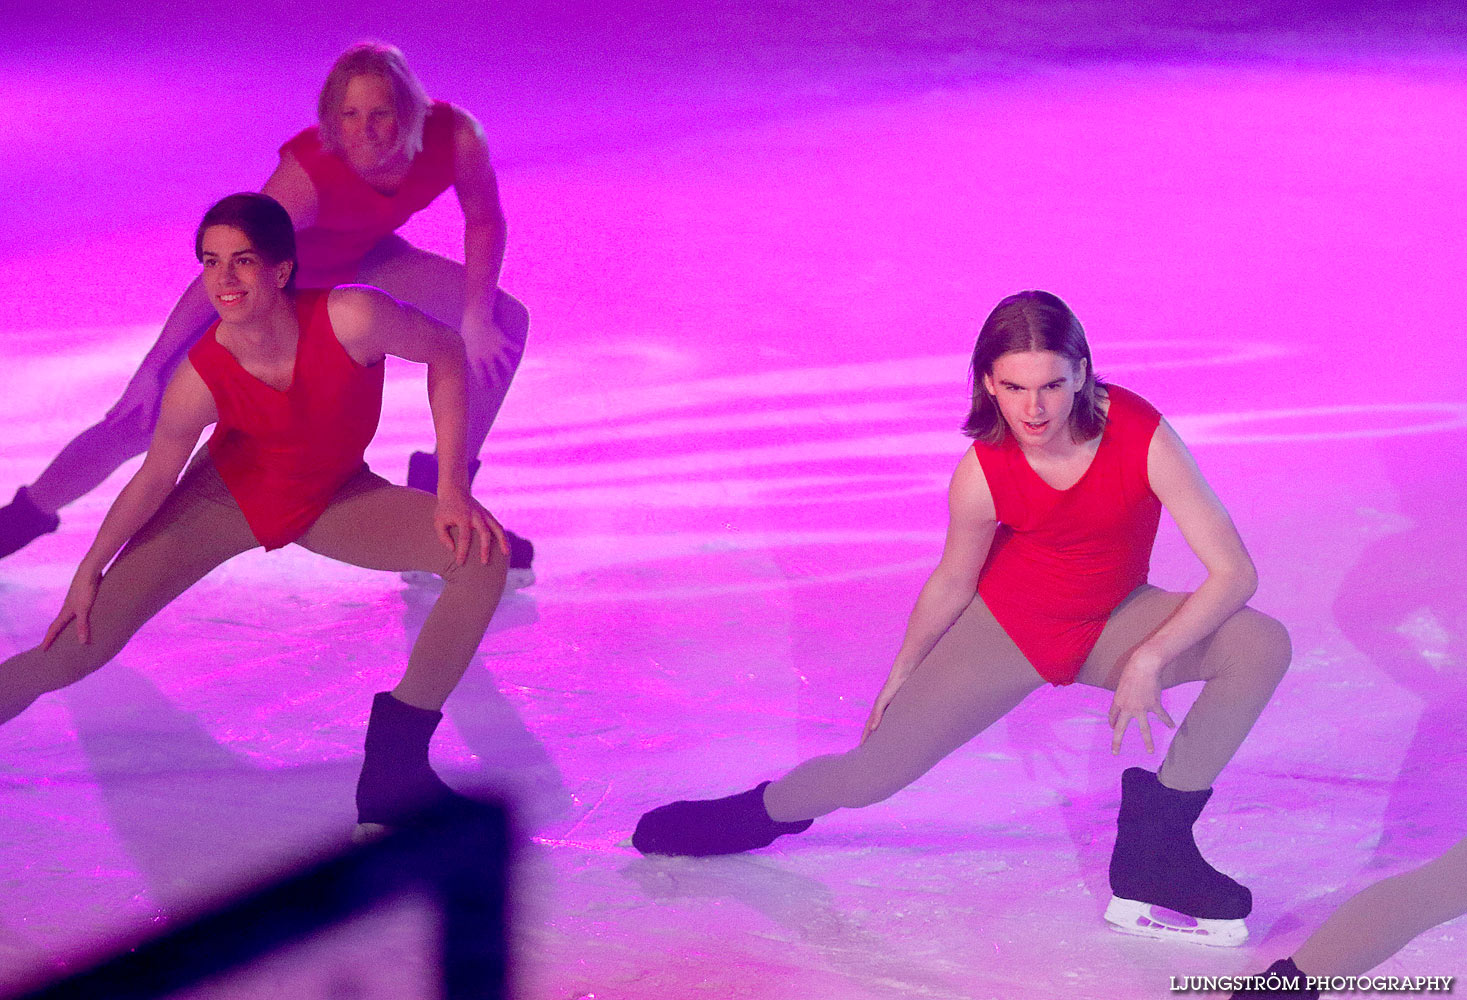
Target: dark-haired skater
1053	513
292	382
381	152
1374	924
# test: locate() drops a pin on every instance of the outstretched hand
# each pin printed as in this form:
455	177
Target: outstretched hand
1138	695
458	518
883	698
77	606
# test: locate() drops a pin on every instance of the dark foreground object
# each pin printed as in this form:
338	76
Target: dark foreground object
454	858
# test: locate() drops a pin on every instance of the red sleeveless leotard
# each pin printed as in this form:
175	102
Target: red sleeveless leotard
1063	560
284	455
351	215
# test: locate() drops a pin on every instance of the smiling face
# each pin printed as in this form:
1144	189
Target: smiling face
368	123
1035	392
242	284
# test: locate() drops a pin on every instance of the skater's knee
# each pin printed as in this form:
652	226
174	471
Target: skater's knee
867	782
41	671
129	425
1263	642
512	318
484	580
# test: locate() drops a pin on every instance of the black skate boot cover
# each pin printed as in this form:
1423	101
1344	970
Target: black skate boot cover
1156	860
396	779
707	827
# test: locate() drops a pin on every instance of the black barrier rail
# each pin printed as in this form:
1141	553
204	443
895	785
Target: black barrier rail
454	857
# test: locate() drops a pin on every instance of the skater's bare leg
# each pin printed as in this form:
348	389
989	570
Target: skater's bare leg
198	527
124	432
435	285
1240	664
973	677
1377	922
375	524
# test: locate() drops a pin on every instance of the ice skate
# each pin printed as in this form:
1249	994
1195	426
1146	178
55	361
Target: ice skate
396	780
22	522
1163	888
708	827
423	475
1291	983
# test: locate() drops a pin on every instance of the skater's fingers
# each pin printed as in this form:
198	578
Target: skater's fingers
1161	714
878	711
84	625
1145	723
481	532
461	542
55	628
1119	732
444	535
500	538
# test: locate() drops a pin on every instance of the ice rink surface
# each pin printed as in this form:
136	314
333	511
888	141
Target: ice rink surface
757	241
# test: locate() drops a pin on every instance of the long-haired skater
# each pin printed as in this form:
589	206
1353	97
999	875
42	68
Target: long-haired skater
1043	578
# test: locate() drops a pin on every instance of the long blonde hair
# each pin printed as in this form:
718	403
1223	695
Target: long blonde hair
386	62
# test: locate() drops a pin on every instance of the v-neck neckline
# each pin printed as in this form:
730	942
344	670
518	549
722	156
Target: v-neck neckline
1104	437
295	362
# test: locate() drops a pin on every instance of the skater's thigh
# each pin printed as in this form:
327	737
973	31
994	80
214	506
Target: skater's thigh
424	280
1143	612
972	678
143	396
377	525
198	527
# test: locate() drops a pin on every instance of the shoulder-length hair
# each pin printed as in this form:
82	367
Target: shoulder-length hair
408	96
1031	321
264	222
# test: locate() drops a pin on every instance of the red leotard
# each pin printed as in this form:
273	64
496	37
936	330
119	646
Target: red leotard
1063	560
351	215
284	455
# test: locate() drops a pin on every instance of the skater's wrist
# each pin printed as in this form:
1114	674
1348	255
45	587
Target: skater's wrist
1147	661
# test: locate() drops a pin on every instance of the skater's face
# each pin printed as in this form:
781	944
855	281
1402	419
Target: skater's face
1035	392
369	135
241	283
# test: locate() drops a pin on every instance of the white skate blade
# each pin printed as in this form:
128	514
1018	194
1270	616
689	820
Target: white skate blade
516	579
1146	920
365	833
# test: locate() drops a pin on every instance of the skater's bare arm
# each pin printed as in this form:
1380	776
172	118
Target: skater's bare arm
187	409
1231	580
372	324
485	232
953	585
292	187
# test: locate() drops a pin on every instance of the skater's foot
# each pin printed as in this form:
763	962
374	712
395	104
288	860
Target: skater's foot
397	782
1163	887
707	827
1283	979
423	475
22	522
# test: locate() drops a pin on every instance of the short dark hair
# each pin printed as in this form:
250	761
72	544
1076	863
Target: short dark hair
263	221
1032	321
